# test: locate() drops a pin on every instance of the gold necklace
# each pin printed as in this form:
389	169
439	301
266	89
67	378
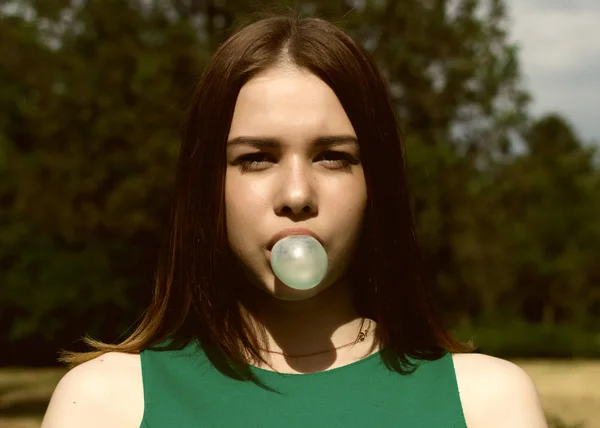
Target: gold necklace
362	335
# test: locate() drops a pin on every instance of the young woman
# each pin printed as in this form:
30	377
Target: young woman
291	131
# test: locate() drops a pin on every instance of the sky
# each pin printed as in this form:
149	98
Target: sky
559	44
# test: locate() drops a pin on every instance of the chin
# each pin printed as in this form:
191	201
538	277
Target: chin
291	295
279	291
267	284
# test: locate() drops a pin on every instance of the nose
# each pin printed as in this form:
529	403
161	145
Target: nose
296	196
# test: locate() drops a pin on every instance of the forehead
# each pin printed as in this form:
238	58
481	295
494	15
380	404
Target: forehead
288	101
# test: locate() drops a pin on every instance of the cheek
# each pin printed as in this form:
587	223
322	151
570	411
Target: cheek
245	205
346	207
349	202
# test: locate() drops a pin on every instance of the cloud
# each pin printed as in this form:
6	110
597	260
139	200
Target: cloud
560	56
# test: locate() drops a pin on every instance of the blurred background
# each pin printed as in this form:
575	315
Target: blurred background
498	104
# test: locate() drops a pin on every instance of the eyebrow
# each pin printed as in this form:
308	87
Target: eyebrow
271	143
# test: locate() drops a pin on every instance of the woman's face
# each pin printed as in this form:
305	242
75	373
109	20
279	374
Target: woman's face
293	161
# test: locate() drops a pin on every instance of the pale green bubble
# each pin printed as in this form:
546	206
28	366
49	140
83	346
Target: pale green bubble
299	261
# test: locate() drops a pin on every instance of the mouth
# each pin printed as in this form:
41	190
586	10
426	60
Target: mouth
290	232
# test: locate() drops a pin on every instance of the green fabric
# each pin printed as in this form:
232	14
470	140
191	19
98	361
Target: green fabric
183	389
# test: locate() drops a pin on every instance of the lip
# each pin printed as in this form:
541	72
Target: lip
289	232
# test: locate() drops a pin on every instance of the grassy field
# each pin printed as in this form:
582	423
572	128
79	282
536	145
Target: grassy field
570	390
24	395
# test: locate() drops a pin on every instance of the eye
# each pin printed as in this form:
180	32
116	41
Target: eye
254	162
337	160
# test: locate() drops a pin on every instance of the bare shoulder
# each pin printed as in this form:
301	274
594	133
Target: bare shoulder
105	391
497	393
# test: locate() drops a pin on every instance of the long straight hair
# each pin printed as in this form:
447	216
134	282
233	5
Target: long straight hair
197	294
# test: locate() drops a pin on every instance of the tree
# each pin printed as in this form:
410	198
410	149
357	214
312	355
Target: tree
94	96
551	193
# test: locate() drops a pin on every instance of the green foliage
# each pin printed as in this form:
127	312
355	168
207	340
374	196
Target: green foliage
93	92
88	150
518	339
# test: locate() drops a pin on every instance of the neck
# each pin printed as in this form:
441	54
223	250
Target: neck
321	323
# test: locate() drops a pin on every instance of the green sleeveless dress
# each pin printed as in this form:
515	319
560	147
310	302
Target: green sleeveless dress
182	389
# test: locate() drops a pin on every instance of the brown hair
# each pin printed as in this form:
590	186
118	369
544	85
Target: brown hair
195	284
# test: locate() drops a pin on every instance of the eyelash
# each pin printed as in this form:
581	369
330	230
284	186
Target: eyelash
254	161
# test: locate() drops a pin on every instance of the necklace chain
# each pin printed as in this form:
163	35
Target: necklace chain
362	335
